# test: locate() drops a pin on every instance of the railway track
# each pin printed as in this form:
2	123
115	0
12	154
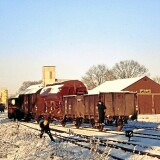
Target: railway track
136	134
79	142
72	136
84	141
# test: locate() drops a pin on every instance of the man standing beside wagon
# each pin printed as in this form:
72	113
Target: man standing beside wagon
101	110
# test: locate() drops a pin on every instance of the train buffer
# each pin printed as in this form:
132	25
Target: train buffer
129	134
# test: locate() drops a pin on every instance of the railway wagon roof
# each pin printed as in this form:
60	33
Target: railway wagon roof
51	89
32	89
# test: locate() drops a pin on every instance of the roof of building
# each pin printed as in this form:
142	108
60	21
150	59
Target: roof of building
115	85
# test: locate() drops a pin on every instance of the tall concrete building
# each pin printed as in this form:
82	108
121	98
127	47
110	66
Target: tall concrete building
48	75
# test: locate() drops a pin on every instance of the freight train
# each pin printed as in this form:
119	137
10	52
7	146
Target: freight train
70	101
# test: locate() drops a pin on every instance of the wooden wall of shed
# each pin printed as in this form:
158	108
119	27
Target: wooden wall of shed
157	104
149	102
144	83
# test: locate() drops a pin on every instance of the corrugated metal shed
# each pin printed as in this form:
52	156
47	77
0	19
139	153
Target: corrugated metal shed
115	85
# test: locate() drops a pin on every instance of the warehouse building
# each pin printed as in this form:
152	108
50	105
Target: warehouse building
148	92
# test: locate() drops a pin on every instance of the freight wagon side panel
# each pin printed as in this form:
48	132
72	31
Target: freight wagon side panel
80	107
119	103
25	104
108	98
130	100
39	107
69	105
90	110
115	103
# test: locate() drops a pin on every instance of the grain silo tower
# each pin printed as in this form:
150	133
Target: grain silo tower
48	73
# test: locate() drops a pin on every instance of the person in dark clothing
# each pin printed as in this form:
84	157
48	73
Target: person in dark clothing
17	114
101	111
44	125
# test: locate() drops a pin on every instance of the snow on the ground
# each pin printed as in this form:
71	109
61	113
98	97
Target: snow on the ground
18	142
149	118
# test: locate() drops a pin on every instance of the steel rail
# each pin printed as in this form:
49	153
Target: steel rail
102	143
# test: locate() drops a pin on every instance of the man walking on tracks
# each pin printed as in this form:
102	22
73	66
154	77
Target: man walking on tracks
17	114
101	111
44	125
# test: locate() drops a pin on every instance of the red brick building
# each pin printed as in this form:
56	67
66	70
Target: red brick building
148	92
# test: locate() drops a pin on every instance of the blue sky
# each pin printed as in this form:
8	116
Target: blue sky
74	35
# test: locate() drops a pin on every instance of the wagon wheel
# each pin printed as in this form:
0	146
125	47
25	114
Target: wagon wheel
93	125
63	124
100	128
77	126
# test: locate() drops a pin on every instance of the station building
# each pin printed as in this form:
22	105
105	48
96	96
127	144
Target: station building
148	92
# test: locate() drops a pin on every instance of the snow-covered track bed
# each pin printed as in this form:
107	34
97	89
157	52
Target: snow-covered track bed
79	140
83	138
151	133
138	134
21	141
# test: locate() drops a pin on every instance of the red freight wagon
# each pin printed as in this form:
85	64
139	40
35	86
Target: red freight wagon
53	97
120	103
38	101
84	106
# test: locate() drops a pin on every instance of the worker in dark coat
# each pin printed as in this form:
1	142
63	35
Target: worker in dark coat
44	125
17	114
101	110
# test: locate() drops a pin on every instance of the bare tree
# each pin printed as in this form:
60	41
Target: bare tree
128	69
156	79
26	84
96	75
